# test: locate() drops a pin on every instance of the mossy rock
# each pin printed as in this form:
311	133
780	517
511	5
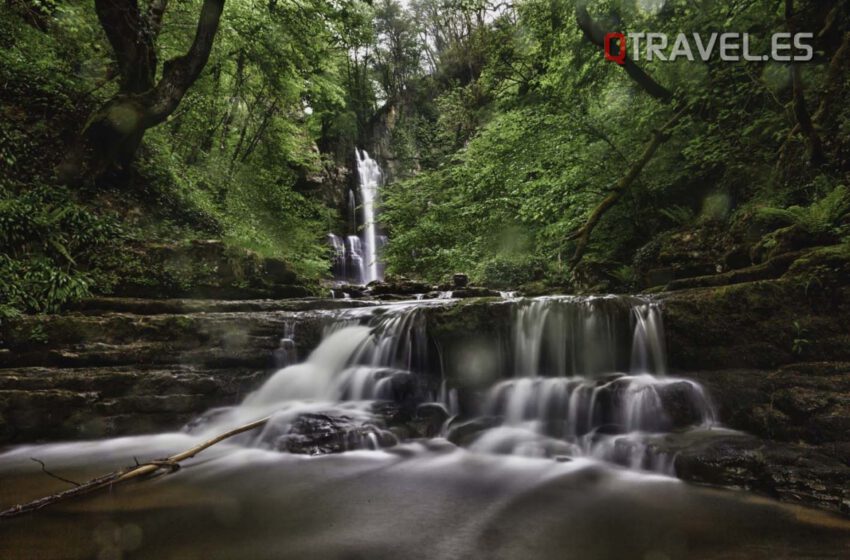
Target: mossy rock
204	269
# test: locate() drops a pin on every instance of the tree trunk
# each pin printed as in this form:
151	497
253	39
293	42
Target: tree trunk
804	119
112	135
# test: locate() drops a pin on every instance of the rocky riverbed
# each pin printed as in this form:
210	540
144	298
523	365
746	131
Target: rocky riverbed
773	354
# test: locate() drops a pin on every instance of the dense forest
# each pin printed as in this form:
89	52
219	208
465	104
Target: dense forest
425	279
513	150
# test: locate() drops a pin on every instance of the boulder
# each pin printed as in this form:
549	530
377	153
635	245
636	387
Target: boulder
319	434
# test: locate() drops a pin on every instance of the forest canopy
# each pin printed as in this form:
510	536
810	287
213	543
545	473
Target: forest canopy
514	151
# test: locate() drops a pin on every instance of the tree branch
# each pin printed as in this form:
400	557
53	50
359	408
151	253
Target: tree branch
169	464
804	120
582	235
181	72
596	35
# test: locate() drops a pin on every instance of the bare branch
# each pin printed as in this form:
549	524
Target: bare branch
50	474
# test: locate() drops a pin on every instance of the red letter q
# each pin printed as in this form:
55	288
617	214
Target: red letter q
615	51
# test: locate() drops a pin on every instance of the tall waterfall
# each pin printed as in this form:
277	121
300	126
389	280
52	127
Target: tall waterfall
586	378
370	176
356	259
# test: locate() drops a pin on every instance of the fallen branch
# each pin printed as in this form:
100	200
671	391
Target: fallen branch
582	235
169	464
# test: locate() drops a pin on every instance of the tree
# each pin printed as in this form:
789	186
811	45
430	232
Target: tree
112	134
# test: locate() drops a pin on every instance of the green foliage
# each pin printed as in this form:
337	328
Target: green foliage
529	128
503	272
825	215
505	126
49	243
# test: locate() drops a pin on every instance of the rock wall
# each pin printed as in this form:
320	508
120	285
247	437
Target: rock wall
775	356
125	366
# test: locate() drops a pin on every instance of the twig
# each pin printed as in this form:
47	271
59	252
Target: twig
169	464
48	473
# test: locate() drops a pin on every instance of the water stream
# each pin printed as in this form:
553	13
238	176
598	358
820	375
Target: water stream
553	459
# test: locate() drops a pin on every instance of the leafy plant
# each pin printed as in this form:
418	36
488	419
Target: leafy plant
822	216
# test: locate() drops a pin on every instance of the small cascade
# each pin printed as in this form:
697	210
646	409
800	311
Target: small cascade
286	353
356	260
339	257
578	335
586	378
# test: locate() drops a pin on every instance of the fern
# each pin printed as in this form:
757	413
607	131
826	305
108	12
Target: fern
822	216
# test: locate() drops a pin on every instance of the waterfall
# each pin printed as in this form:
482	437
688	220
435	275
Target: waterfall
370	176
339	256
587	378
357	263
356	259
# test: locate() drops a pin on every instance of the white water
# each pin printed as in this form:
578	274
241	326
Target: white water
357	258
245	498
587	380
370	176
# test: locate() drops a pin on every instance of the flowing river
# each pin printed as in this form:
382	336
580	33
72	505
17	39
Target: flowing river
554	444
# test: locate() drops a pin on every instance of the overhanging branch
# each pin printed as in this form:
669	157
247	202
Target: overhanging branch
596	35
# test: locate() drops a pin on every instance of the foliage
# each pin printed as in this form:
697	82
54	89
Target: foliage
236	160
48	243
825	215
502	127
529	128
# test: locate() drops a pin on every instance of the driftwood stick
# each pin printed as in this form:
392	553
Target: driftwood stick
169	464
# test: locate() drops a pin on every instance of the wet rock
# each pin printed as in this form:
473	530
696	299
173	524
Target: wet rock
464	433
397	286
686	253
434	416
318	434
55	403
681	405
787	240
790	472
807	402
474	292
459	280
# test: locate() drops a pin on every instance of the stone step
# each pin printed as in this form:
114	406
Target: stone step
59	403
142	306
220	339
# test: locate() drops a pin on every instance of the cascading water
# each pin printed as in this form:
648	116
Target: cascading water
585	383
357	263
356	259
370	176
587	380
339	256
578	384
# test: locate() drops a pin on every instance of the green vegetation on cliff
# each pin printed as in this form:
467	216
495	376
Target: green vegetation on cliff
515	152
